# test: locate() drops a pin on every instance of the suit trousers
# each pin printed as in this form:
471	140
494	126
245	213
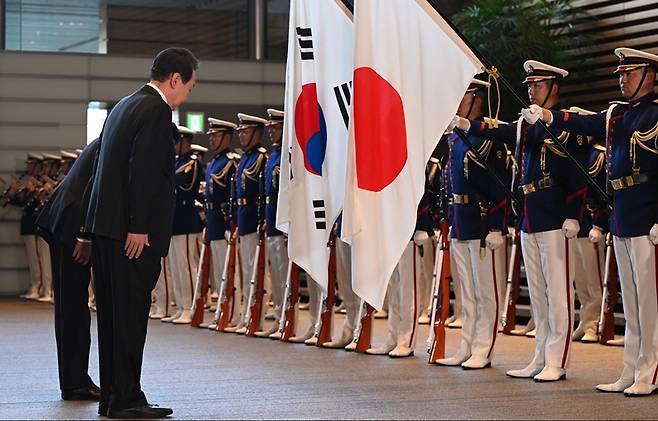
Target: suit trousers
72	319
123	298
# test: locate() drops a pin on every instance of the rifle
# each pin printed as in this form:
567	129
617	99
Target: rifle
363	332
257	284
513	290
201	284
290	299
436	342
326	314
226	300
607	318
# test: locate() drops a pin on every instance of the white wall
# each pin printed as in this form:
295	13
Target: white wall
43	107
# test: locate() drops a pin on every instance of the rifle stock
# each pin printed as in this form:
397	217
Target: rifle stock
202	277
326	316
291	297
258	286
607	317
226	300
513	285
441	297
364	337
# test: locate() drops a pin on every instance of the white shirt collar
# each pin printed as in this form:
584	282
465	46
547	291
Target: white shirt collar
152	85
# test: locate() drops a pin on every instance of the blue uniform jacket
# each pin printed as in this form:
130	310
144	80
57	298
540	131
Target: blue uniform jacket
596	209
218	193
189	173
465	176
545	209
630	128
272	170
251	164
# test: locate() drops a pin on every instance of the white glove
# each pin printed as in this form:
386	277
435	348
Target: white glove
494	240
420	237
596	235
570	228
227	235
459	122
532	114
653	235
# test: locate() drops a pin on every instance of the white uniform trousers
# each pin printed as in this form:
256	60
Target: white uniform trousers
549	270
637	260
425	275
502	257
456	289
277	255
351	301
480	300
403	301
588	277
184	262
218	255
34	265
248	244
163	289
46	269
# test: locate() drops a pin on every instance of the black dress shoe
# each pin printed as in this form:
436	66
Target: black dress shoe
102	410
91	393
146	411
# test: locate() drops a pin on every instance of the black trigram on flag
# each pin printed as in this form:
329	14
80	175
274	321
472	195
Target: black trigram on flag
304	36
319	214
344	99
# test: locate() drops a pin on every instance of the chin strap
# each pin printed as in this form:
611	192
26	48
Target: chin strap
639	86
548	95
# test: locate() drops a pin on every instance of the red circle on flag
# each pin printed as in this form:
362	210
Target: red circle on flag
380	133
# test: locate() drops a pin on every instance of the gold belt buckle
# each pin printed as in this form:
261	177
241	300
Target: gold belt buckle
529	188
617	184
242	202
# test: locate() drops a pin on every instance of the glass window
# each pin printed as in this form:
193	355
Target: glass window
276	29
211	29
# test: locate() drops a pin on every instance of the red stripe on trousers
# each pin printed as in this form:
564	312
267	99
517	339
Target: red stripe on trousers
655	262
495	284
36	249
189	267
164	272
570	324
414	321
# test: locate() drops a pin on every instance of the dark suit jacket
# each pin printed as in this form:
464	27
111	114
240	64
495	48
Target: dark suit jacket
133	185
63	215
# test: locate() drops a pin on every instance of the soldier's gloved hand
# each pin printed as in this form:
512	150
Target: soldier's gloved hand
420	237
532	113
653	235
596	235
570	228
494	240
459	122
227	235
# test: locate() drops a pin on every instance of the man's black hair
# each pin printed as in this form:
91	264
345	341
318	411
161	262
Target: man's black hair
174	60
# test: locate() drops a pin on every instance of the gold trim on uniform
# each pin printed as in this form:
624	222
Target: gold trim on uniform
537	185
629	181
461	199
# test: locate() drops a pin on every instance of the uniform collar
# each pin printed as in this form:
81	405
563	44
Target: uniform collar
222	152
644	100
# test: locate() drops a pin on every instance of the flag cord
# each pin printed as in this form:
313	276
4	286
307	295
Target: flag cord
493	74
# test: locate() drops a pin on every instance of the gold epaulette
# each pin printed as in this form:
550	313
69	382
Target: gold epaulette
252	173
187	167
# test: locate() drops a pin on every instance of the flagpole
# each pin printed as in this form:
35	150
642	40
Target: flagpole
492	69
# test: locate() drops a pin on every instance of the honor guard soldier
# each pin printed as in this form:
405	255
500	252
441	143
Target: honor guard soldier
553	201
184	247
163	291
19	194
68	158
478	224
589	245
275	242
219	174
250	168
631	168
